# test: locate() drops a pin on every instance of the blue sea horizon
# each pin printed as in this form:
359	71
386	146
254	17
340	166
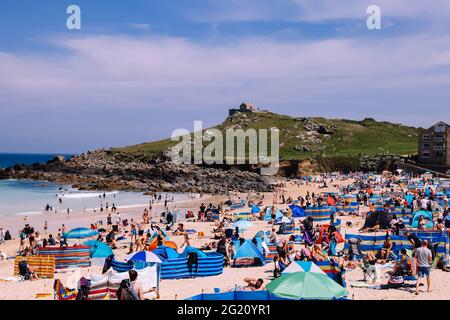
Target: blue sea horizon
10	159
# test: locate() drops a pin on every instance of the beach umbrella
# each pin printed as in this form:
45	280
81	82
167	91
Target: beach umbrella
306	285
80	233
303	266
242	225
145	256
98	249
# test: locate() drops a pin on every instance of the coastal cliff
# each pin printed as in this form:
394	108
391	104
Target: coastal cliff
307	146
105	170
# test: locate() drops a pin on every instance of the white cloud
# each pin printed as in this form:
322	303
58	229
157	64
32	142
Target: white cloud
135	72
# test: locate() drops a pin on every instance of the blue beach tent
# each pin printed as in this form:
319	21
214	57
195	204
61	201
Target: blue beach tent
248	250
297	212
188	250
255	209
426	215
98	249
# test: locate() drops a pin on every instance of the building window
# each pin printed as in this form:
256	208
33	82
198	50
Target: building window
425	154
426	137
439	154
439	148
426	146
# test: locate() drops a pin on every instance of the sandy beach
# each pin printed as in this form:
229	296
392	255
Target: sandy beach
184	288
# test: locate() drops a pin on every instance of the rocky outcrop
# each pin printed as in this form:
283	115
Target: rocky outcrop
105	170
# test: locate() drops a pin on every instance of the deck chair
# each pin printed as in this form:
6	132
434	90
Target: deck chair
355	248
23	271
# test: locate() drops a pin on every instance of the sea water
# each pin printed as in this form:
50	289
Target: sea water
10	159
24	197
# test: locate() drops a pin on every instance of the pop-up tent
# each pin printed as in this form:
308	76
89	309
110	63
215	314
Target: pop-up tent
189	250
255	209
248	255
297	212
99	249
428	216
268	215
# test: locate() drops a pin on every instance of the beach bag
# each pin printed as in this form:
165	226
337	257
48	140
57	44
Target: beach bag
127	291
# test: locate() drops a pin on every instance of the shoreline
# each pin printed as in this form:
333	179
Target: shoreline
77	218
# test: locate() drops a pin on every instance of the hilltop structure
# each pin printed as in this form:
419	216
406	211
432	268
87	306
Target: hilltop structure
434	146
245	107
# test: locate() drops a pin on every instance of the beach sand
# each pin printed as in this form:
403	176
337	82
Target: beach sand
184	288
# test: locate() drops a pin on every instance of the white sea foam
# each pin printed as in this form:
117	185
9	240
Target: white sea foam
28	213
85	195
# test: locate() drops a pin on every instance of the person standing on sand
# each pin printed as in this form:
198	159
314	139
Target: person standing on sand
109	220
45	227
424	259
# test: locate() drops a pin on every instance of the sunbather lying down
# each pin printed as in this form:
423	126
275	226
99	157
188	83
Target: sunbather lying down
375	228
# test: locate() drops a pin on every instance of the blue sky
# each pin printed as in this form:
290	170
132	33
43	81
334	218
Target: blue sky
139	69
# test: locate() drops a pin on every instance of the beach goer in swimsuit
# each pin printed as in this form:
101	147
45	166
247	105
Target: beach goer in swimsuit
253	284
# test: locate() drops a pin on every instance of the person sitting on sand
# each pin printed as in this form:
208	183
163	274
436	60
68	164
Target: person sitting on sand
317	253
51	241
180	230
347	263
404	265
209	246
32	273
273	236
111	240
305	253
383	253
135	291
440	226
421	224
253	284
219	233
